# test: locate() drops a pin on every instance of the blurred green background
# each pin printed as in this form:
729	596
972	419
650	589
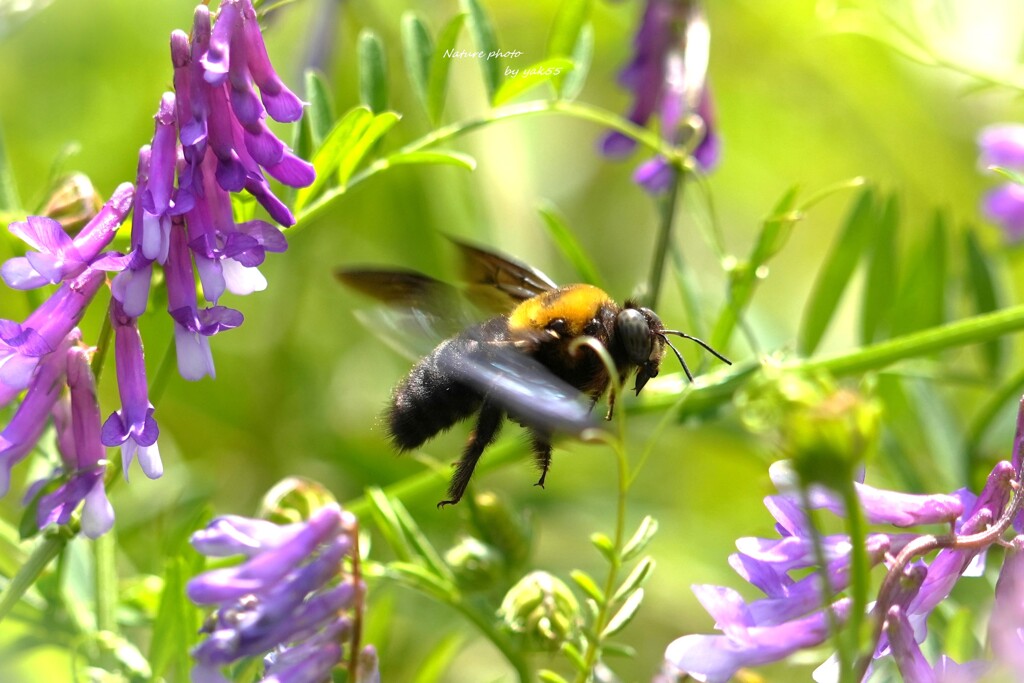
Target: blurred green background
300	386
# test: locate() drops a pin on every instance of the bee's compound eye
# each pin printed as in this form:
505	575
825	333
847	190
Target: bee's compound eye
635	333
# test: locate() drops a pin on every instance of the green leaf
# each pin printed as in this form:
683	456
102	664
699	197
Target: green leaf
981	285
876	308
530	77
440	67
625	614
380	125
373	71
617	650
9	200
482	30
640	539
320	111
568	245
604	545
635	580
574	656
419	543
549	676
569	37
565	31
570	84
417	48
434	667
587	585
388	523
176	626
345	134
434	156
921	299
836	272
423	580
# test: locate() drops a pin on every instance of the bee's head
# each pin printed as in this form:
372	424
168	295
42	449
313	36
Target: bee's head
644	339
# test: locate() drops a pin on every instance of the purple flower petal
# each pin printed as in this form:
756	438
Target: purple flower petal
1002	145
1004	206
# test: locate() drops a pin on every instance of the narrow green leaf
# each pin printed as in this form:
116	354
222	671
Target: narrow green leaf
417	49
587	585
640	539
519	82
604	545
423	580
982	287
569	85
434	667
921	299
380	125
574	656
565	31
342	137
9	200
176	625
836	272
388	523
776	229
373	71
320	111
549	676
440	67
617	650
482	30
434	156
635	580
568	245
882	277
420	544
625	614
567	38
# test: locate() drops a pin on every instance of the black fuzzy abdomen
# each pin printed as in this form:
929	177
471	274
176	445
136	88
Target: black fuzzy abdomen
430	400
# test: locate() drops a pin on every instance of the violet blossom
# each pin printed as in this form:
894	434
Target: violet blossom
210	139
1002	145
667	76
81	479
791	615
290	602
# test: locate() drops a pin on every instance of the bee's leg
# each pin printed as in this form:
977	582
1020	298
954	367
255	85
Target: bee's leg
541	444
488	425
611	404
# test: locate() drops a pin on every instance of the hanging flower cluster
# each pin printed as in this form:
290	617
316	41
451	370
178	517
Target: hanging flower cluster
667	76
798	613
290	602
210	140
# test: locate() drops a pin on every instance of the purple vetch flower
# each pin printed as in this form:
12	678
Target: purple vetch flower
667	76
910	592
58	257
716	658
23	431
192	325
133	426
1002	145
23	345
288	602
131	285
82	453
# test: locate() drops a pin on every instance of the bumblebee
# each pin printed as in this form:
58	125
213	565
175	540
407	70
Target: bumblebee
521	364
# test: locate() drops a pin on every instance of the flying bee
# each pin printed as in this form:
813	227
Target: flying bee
521	364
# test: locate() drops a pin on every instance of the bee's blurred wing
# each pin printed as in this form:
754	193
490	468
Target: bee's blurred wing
525	389
498	282
418	310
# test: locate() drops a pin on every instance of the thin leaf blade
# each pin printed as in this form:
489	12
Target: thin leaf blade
440	67
482	29
417	50
373	72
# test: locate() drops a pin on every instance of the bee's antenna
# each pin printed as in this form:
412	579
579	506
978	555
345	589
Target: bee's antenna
704	344
678	355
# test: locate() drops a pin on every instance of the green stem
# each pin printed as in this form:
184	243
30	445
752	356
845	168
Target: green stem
485	624
578	110
661	245
860	568
34	567
104	553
